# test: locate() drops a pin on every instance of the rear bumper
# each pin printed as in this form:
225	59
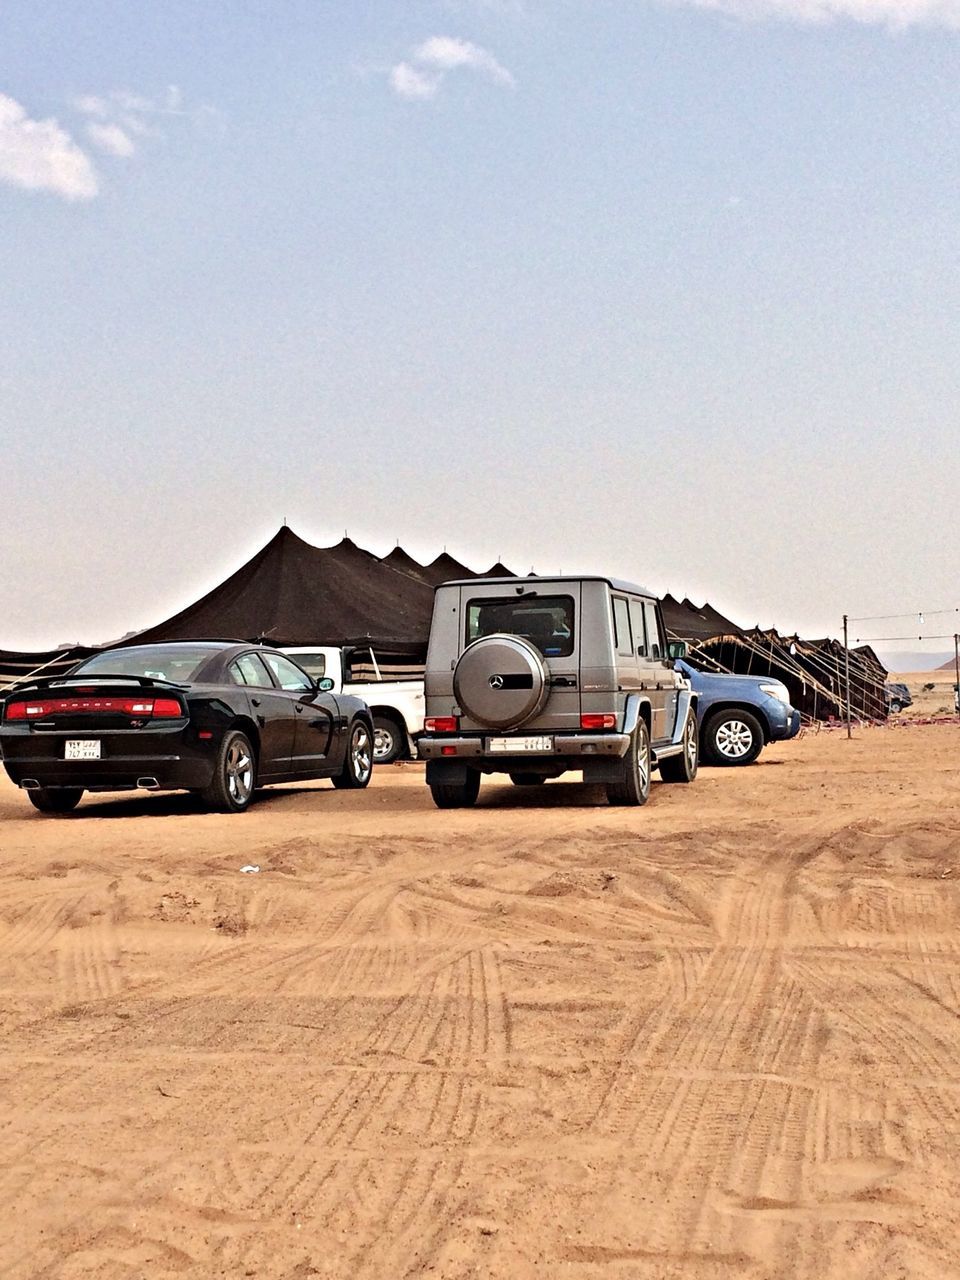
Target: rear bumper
566	746
165	758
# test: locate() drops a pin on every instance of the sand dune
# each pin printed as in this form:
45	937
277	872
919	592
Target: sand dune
716	1037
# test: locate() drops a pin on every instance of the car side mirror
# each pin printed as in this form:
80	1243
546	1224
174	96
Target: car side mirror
677	649
325	684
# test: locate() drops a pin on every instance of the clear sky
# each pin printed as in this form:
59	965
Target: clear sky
669	290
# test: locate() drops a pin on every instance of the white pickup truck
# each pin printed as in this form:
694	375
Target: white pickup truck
397	705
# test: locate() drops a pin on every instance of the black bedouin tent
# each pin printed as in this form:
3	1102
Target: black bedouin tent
402	560
293	593
443	569
813	670
691	622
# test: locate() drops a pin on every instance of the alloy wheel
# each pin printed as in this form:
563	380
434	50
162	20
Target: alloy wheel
643	765
384	743
239	766
690	743
361	753
734	739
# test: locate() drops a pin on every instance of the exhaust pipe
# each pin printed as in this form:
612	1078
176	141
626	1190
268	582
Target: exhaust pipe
30	784
148	784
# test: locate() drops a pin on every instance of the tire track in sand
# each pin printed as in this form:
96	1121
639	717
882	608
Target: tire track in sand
740	1019
352	1168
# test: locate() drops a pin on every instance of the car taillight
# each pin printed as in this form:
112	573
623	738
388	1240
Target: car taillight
592	720
166	709
440	724
139	708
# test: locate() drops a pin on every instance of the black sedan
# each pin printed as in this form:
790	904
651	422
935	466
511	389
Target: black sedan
214	717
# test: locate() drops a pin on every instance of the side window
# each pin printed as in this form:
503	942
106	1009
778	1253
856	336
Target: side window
253	672
234	674
288	675
654	641
639	628
621	626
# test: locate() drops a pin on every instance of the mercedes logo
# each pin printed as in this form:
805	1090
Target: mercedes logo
496	682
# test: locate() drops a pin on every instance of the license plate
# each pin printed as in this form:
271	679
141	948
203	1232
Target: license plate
519	746
82	749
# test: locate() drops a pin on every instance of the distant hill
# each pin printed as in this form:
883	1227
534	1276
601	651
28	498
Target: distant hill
906	661
948	665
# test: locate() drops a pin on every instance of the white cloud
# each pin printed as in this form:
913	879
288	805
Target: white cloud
40	156
90	105
111	138
133	102
429	64
408	82
887	13
446	53
131	111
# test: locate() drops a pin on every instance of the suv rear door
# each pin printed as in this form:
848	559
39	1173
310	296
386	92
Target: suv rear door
560	649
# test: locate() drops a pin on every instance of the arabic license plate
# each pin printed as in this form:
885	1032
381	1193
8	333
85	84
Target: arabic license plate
82	749
519	746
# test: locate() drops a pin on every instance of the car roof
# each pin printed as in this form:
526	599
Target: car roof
618	584
213	645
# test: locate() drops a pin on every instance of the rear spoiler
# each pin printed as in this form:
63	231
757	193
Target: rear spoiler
57	682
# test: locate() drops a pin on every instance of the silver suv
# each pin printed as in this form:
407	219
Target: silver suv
536	676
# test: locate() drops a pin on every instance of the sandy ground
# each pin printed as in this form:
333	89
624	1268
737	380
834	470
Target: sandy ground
717	1037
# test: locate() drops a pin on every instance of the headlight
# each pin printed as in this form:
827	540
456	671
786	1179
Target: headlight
777	690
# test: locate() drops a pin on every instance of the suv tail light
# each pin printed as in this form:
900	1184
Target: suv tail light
139	708
440	724
592	720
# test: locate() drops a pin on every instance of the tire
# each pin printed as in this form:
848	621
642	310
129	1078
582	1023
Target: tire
527	779
358	762
895	707
234	775
457	795
58	800
389	740
633	787
732	738
683	768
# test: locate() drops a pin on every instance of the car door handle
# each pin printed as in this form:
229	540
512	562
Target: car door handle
299	707
255	701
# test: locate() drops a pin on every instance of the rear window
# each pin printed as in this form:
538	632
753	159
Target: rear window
546	621
315	664
177	662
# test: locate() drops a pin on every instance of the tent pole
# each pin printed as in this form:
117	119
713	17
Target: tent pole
956	669
846	672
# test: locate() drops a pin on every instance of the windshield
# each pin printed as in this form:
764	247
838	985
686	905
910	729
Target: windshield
176	662
546	621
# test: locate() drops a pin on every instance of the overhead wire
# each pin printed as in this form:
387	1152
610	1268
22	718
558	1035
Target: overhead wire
913	613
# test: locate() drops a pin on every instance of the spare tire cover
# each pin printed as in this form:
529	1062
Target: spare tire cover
501	681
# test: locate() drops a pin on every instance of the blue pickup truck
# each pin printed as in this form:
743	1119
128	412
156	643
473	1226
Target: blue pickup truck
739	715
